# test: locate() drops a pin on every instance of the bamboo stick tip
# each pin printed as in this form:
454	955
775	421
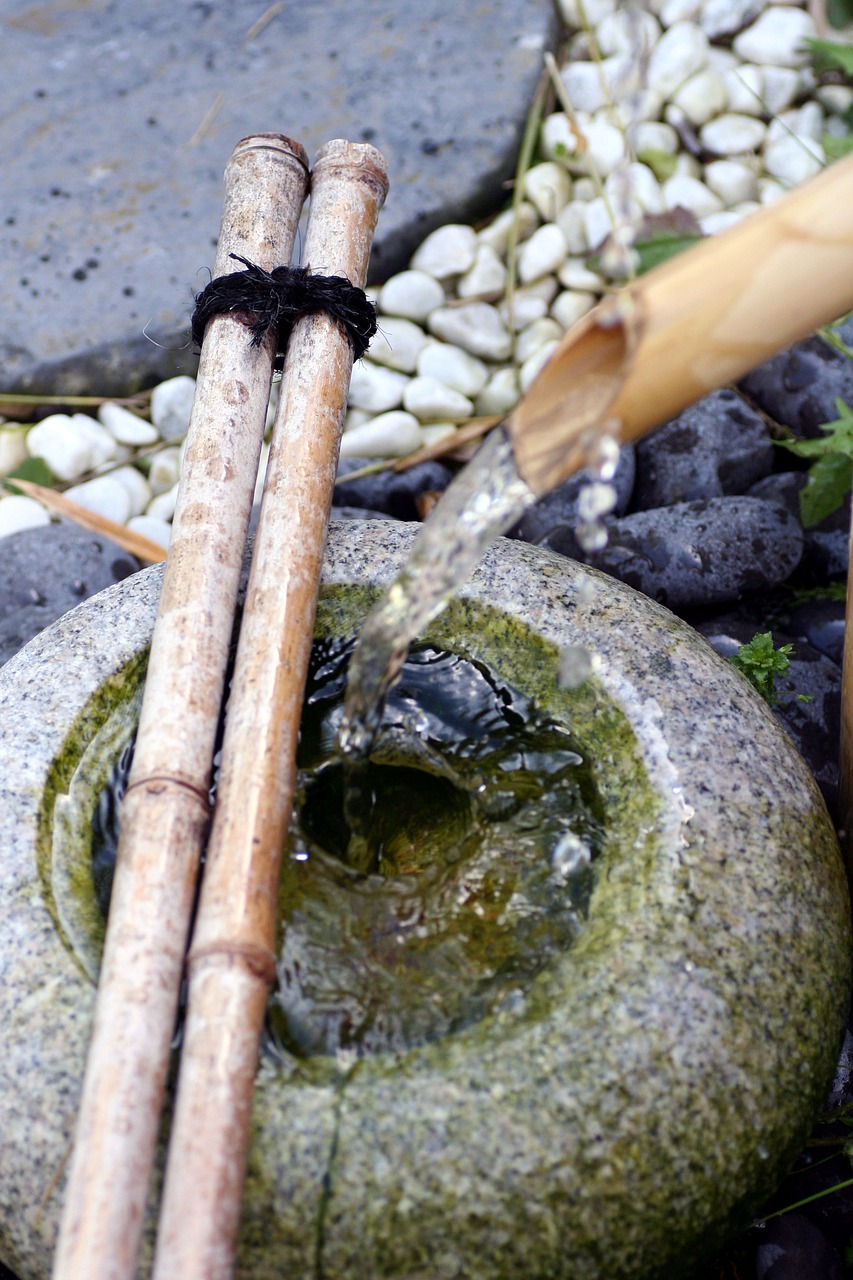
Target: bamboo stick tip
288	148
355	160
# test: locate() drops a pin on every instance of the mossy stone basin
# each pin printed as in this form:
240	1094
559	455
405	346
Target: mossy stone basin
635	1102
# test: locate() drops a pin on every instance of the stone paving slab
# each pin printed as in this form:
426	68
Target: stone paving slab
117	120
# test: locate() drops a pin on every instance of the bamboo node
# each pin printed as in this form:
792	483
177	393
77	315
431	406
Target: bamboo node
156	784
258	960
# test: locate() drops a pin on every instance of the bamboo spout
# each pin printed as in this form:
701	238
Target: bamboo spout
699	321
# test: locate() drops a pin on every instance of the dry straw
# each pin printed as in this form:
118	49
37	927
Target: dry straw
165	811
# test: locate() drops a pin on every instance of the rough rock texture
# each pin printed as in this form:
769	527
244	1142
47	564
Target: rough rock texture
799	386
118	120
646	1091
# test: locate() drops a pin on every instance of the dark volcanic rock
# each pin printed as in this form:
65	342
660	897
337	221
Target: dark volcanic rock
393	493
555	515
799	386
792	1248
718	446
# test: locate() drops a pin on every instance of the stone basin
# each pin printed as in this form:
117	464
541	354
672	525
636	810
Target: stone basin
636	1102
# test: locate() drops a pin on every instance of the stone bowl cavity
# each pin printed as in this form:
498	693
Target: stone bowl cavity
642	1096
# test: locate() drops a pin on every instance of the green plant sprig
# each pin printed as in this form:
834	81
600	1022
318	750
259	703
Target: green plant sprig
831	473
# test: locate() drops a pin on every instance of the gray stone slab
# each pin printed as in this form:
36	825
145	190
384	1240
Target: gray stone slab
117	120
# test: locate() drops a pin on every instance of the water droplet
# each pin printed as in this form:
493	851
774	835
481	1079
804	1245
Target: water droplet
576	665
762	1152
570	855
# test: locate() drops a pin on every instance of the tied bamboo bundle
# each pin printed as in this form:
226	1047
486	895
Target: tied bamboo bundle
165	811
231	962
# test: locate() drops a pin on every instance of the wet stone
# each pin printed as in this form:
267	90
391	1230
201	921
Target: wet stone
45	572
826	545
821	623
701	553
792	1247
555	515
718	446
391	493
799	386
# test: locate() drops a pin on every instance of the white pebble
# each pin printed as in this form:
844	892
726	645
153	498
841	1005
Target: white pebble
163	506
701	97
164	470
18	512
102	447
433	432
643	185
430	400
124	426
397	344
598	221
732	135
548	187
454	367
138	489
497	234
575	274
476	327
375	388
487	277
585	190
535	336
593	11
745	89
673	11
65	450
500	394
793	159
529	303
630	31
721	221
680	52
769	190
725	17
781	87
687	165
572	223
571	305
534	364
585	85
355	418
835	98
805	122
410	294
171	406
390	435
654	135
689	193
542	253
448	251
153	529
13	446
605	147
104	496
731	180
557	138
776	38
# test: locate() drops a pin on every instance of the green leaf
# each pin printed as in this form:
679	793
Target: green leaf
829	482
34	469
831	55
660	248
760	663
839	12
837	148
662	163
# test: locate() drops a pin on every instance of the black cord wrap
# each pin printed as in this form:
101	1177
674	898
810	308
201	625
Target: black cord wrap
280	297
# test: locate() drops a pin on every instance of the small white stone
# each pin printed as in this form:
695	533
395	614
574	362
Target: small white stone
66	451
572	223
454	367
571	305
781	88
535	336
410	294
476	327
732	180
681	51
164	470
375	388
586	85
355	418
806	122
163	506
630	31
644	186
598	221
745	89
102	447
13	446
654	135
777	38
542	254
575	274
18	512
126	427
548	187
674	11
557	138
689	193
390	435
529	303
105	496
397	344
701	97
433	432
769	190
585	190
171	406
448	251
686	166
722	59
605	147
593	11
732	135
500	394
153	529
534	365
793	159
497	234
430	401
835	98
721	221
138	489
724	17
631	107
487	277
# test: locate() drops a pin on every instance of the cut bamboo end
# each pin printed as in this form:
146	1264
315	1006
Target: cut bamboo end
696	323
165	811
234	936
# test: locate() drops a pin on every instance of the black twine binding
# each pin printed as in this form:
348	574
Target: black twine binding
280	297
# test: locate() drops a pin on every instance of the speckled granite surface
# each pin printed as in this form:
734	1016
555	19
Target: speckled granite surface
652	1083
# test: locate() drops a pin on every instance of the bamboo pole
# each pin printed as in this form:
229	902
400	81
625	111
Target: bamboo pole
231	961
165	810
697	322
